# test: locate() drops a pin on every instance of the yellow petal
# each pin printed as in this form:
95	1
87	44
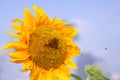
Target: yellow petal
38	11
42	17
15	45
34	74
69	41
18	20
29	19
37	74
13	35
22	37
58	23
23	32
27	66
70	64
50	75
72	49
17	28
41	76
34	77
19	55
69	31
19	60
65	69
61	74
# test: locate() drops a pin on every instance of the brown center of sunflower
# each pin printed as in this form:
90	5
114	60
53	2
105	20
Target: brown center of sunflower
47	47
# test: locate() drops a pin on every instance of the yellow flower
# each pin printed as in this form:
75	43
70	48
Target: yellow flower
44	46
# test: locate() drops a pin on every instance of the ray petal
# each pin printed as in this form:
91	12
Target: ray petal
72	49
58	23
19	55
27	66
24	36
18	28
15	45
34	74
50	75
69	31
65	69
42	75
18	20
29	19
13	35
22	60
38	11
61	74
70	64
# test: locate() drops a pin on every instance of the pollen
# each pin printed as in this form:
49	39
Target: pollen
47	47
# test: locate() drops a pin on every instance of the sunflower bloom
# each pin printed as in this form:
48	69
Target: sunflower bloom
44	46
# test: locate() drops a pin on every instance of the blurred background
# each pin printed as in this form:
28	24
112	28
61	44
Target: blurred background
98	23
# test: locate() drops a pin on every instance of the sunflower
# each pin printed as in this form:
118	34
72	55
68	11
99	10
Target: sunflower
43	45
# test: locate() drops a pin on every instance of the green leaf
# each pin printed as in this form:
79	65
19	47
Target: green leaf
76	77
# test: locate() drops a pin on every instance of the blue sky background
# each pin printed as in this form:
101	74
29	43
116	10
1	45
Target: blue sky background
98	22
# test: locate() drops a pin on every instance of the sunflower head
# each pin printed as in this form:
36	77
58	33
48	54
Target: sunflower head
44	46
47	47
